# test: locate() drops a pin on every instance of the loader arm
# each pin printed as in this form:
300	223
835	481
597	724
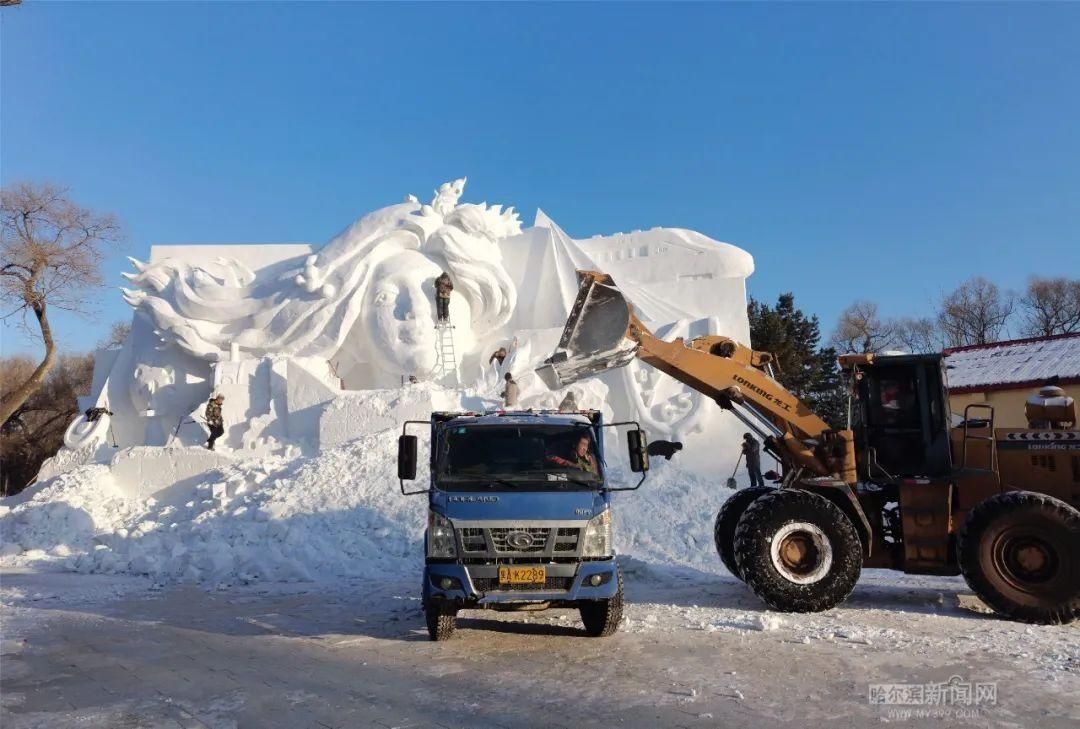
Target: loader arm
603	332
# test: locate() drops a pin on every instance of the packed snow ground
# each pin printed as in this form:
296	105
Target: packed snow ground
697	650
336	514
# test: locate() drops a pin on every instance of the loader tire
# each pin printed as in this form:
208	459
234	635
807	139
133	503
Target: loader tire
602	617
1020	553
798	551
441	619
726	521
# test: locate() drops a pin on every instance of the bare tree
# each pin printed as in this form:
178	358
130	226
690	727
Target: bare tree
1051	306
975	313
118	334
35	431
918	335
13	371
861	329
50	256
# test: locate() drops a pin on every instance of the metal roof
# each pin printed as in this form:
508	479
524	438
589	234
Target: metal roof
1014	364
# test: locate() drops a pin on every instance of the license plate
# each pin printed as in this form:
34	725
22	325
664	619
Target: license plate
522	575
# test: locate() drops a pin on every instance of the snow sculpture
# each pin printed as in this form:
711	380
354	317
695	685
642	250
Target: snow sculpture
364	298
83	433
682	284
149	384
287	331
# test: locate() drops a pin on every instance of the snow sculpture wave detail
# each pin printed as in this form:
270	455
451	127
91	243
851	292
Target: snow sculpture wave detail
372	281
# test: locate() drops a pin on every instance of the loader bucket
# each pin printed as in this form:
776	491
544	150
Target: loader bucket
595	337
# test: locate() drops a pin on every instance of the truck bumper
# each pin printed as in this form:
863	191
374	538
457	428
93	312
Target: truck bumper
463	588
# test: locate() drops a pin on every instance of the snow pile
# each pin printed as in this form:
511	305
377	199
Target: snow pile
61	519
670	518
768	621
337	514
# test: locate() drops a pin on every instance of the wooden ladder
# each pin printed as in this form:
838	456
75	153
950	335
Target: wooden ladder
447	364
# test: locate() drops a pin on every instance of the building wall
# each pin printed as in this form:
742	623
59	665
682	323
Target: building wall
1008	404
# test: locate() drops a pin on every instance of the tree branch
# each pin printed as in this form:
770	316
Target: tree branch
52	250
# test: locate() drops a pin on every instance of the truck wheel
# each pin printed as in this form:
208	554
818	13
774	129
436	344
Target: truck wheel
602	617
798	551
1020	553
726	521
441	619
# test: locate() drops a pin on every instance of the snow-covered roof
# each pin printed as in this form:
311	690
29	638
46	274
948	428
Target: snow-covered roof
1014	364
522	418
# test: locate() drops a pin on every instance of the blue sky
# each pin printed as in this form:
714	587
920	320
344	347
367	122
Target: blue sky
857	151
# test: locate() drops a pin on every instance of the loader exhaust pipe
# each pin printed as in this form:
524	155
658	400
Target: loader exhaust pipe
596	335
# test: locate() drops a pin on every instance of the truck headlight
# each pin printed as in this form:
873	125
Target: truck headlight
598	536
440	541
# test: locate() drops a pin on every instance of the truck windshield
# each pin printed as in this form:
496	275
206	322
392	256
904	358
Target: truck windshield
511	457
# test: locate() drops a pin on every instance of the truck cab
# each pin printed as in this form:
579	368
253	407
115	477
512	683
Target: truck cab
519	515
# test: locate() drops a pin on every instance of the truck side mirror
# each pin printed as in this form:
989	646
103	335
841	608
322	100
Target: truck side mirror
406	457
639	450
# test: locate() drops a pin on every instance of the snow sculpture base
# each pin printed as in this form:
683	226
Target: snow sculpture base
168	475
365	412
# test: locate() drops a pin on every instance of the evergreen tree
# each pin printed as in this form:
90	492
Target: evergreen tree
809	371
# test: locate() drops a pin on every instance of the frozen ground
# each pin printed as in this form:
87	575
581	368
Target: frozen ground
697	650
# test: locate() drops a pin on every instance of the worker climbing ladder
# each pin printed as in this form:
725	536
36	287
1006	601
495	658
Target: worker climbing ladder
447	363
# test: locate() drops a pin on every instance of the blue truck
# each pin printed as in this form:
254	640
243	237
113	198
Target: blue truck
519	514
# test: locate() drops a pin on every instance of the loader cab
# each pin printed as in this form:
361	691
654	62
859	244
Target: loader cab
900	415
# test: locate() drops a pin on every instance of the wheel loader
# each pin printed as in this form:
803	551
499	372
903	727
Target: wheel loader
901	487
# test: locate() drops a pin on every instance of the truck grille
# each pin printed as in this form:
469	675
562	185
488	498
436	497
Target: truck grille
566	540
491	584
500	539
473	540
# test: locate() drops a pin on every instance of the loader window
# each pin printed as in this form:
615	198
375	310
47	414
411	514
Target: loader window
904	418
895	421
896	404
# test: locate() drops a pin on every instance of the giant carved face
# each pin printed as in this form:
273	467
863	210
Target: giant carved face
399	314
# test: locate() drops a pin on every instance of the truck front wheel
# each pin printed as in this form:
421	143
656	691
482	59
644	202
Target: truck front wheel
602	617
798	551
441	619
1020	552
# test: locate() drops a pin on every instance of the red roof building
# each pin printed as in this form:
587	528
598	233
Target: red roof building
1003	374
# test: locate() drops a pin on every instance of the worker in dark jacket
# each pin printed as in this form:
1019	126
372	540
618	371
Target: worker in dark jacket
751	450
214	420
443	287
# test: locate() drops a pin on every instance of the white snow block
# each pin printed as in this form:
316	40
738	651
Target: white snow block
364	412
170	475
310	383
